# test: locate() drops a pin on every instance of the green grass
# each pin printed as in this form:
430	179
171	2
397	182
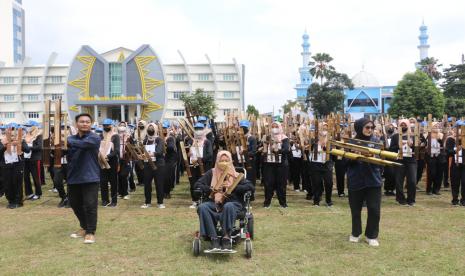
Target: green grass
428	239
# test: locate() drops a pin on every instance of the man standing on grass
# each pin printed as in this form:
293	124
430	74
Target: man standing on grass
84	177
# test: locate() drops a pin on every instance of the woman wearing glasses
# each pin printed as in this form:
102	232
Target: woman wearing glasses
364	185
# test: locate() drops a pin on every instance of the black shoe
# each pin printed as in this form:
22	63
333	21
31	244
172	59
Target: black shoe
226	244
455	203
411	204
63	203
132	190
284	205
10	206
266	206
402	202
112	205
437	193
462	203
316	203
105	203
215	244
329	204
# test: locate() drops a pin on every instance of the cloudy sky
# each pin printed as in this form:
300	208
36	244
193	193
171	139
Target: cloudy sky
265	35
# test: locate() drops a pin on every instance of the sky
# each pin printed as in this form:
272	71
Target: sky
264	35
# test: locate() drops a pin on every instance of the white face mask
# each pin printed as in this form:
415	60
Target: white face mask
122	128
199	132
275	130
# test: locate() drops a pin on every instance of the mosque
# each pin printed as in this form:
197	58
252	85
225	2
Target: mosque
367	97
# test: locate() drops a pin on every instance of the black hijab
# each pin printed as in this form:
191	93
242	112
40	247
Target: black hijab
359	125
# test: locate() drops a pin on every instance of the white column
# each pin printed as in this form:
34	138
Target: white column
96	112
138	111
122	113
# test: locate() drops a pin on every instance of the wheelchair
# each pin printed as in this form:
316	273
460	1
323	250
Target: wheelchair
242	230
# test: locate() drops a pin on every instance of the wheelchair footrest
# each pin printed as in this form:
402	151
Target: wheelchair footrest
208	251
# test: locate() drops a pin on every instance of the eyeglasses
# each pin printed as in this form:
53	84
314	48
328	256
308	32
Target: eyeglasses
369	127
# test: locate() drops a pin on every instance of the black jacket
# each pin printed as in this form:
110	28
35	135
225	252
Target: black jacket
204	184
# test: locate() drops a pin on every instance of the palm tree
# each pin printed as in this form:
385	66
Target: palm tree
320	67
430	66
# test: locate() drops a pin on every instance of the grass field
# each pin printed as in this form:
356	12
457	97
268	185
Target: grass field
428	239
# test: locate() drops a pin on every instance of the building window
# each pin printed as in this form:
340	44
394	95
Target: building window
8	80
32	80
116	73
177	94
8	115
9	98
32	115
204	77
179	77
99	113
56	97
227	111
55	79
178	113
32	97
228	94
228	77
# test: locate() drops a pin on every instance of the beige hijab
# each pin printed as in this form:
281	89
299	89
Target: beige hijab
217	172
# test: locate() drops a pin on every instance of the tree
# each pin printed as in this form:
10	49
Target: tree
430	66
251	110
291	104
320	67
455	107
416	95
328	95
454	81
200	103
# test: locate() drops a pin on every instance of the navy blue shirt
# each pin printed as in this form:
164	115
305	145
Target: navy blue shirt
83	166
362	175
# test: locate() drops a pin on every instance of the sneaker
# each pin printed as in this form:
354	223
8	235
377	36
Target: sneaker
226	244
436	193
267	206
161	206
342	195
89	238
284	206
329	204
54	190
297	191
373	242
63	203
194	205
126	197
120	196
78	234
455	203
316	204
354	239
145	206
215	245
402	203
112	205
35	197
29	197
105	203
411	204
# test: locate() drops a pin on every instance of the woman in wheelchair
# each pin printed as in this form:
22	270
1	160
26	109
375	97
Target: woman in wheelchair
224	189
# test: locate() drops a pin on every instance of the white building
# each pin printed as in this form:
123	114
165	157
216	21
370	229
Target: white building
12	32
24	89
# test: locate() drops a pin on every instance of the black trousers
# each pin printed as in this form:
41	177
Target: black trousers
124	170
458	183
158	176
341	168
59	176
140	173
275	176
435	173
446	173
170	177
407	171
13	180
389	178
296	172
252	171
109	176
420	168
372	197
132	183
322	176
2	185
32	168
83	199
195	176
307	178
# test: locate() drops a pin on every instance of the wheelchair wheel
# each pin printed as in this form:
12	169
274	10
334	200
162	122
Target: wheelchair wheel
250	227
196	247
248	248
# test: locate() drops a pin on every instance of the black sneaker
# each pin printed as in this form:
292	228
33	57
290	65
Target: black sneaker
215	245
402	202
455	203
226	244
284	205
429	193
329	204
112	205
63	203
411	204
316	203
105	203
